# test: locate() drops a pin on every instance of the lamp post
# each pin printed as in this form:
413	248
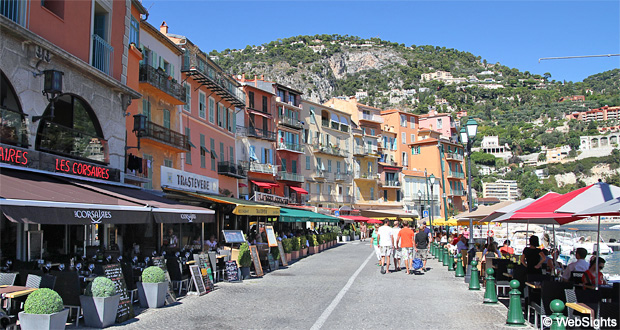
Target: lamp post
431	179
420	202
468	133
52	88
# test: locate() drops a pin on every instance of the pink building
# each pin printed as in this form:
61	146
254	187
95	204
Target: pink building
439	122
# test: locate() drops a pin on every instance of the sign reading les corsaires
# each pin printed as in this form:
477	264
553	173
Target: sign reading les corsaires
173	178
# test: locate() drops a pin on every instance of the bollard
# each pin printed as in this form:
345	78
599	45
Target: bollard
490	293
474	281
439	254
450	261
515	314
432	249
557	307
446	256
459	266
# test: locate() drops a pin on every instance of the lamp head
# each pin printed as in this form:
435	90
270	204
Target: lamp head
419	194
463	134
52	83
432	179
472	128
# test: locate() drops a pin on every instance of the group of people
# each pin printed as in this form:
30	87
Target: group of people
400	242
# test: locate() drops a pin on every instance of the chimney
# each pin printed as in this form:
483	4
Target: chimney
163	28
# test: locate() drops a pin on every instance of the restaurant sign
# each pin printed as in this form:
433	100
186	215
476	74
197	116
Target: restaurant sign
269	198
173	178
95	216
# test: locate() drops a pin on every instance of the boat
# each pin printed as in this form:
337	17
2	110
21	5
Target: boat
584	240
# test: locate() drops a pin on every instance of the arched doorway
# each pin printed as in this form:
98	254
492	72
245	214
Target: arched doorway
13	129
73	131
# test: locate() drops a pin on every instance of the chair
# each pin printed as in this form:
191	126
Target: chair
589	297
549	291
571	297
130	283
176	276
576	278
68	287
501	281
7	278
48	282
33	281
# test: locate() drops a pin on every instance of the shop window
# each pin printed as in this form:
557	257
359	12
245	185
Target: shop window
73	131
13	128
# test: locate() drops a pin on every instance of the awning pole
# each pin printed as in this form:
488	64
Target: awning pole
202	237
598	249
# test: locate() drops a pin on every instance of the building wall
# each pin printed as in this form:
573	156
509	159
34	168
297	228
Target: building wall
431	121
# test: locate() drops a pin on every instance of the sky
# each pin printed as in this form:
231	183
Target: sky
514	33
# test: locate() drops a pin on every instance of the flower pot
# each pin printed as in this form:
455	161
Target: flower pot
294	255
152	295
43	321
288	257
304	252
100	312
245	273
345	238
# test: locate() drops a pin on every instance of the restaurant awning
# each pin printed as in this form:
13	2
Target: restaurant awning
31	197
297	215
393	213
243	207
299	190
356	218
265	185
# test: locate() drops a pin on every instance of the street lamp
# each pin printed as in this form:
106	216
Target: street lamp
420	202
431	179
52	88
468	133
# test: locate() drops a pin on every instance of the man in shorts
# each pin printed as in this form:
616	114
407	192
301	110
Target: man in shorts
405	236
396	250
386	244
421	245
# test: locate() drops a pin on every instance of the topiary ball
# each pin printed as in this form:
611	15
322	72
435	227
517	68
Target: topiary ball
43	301
153	274
102	287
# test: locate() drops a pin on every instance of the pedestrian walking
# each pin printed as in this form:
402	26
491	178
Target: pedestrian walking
386	244
421	245
363	231
405	236
374	239
396	250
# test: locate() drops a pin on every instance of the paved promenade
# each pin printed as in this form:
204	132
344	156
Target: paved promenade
340	288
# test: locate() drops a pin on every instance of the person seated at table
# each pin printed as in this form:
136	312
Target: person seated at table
533	257
461	244
211	243
506	249
581	265
589	277
491	252
171	241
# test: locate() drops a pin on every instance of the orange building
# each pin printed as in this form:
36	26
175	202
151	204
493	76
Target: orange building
405	125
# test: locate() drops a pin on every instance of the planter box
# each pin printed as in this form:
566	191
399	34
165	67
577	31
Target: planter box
304	252
294	255
245	272
288	257
313	250
99	312
346	238
152	295
44	321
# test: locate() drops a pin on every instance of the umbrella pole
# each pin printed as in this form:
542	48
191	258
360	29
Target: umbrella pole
598	249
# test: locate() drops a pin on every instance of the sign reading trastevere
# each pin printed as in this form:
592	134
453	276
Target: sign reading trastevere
188	181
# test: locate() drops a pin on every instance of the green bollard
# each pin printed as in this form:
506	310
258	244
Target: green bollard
450	261
446	256
439	254
432	249
490	293
474	281
436	254
515	314
557	307
459	266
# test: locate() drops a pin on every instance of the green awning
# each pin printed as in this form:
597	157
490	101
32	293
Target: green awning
296	215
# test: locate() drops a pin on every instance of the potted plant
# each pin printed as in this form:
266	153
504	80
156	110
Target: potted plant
244	260
43	309
152	290
100	303
303	246
321	242
313	244
287	246
510	268
357	234
295	247
275	253
345	235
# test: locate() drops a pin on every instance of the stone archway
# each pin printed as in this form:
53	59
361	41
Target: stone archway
13	128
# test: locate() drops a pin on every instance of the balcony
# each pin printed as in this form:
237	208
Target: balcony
372	118
13	128
367	176
366	152
231	169
103	54
65	141
457	192
289	147
453	156
323	175
159	79
208	76
16	11
257	133
391	184
291	122
343	177
329	150
286	176
260	168
326	198
165	135
456	175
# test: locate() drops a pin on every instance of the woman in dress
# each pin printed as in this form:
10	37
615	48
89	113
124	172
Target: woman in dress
533	257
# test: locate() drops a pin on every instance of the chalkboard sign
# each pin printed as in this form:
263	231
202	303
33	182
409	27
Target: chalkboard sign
271	236
161	263
233	236
202	262
282	254
256	259
232	271
197	280
125	307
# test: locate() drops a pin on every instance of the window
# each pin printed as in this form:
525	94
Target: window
134	32
415	150
222	158
251	100
404	158
265	106
329	189
149	171
188	98
412	138
231	117
283	165
188	155
307	162
412	122
281	95
55	6
329	166
146	108
167	118
203	152
231	154
403	137
211	110
312	120
439	123
168	163
372	193
202	105
318	188
403	120
319	164
220	115
212	145
337	166
372	131
294	166
291	99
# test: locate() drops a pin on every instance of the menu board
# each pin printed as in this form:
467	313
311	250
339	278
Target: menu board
233	236
202	262
125	308
197	280
256	260
271	236
282	254
232	271
161	263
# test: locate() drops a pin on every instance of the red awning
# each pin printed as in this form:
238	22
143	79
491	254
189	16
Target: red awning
300	190
356	218
242	184
266	185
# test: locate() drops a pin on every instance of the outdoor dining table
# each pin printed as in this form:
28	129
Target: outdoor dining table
581	308
535	285
9	292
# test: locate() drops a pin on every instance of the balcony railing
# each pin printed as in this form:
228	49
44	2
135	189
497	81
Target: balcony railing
326	198
366	151
260	168
458	175
162	81
103	54
322	175
329	150
367	175
334	125
166	135
343	177
289	146
16	11
257	133
457	192
286	176
231	169
391	183
374	118
453	156
72	143
13	128
289	121
207	75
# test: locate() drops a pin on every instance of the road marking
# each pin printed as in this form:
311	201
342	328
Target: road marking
321	320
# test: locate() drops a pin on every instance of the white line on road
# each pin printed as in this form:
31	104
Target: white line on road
321	320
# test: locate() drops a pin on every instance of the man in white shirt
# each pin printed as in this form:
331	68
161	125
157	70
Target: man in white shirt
386	244
396	250
581	265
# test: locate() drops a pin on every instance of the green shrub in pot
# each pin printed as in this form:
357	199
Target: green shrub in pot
153	274
43	301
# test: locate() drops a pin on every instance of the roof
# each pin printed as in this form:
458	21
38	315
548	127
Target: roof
162	37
